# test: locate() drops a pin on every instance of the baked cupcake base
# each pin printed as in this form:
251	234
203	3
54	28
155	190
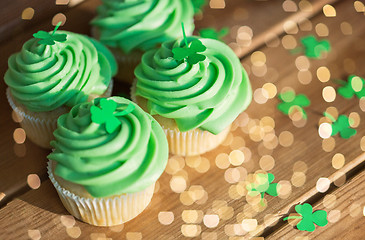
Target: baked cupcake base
189	143
108	211
193	142
39	126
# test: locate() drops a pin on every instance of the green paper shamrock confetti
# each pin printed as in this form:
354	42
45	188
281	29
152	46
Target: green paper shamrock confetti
213	33
314	48
190	53
50	39
291	103
106	114
262	185
342	126
309	218
354	86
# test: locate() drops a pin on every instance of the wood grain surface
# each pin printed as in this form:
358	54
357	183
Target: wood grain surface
25	159
214	183
345	207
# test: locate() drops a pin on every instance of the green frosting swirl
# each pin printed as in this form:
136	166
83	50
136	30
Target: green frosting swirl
128	160
208	95
45	77
142	24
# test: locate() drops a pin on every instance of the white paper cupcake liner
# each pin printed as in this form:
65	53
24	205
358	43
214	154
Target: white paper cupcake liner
133	89
108	91
39	127
108	211
193	142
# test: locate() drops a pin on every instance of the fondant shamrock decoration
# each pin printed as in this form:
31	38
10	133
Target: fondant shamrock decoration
263	184
292	102
190	53
354	86
309	218
47	38
314	48
106	114
342	126
213	33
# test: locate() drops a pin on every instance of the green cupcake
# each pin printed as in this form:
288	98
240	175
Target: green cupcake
52	73
195	88
107	156
133	27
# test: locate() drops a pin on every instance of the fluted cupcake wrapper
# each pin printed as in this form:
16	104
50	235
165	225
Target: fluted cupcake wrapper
39	126
109	211
193	142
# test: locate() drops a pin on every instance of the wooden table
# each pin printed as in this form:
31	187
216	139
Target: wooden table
211	201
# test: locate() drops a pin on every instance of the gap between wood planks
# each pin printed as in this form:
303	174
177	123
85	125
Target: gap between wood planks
312	196
278	30
350	225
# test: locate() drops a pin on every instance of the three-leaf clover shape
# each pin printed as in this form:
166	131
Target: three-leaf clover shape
293	102
309	218
263	184
314	48
213	33
354	86
107	114
50	38
342	126
190	53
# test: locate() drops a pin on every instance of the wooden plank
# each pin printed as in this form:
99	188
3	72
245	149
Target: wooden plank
13	21
45	217
345	208
21	160
27	158
304	155
279	27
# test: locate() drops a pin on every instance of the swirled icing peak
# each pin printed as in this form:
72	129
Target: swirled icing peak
44	77
208	95
142	24
129	159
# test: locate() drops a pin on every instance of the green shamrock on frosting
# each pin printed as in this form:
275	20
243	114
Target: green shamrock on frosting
293	102
190	53
50	39
213	33
106	114
342	126
354	86
262	185
314	48
309	218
